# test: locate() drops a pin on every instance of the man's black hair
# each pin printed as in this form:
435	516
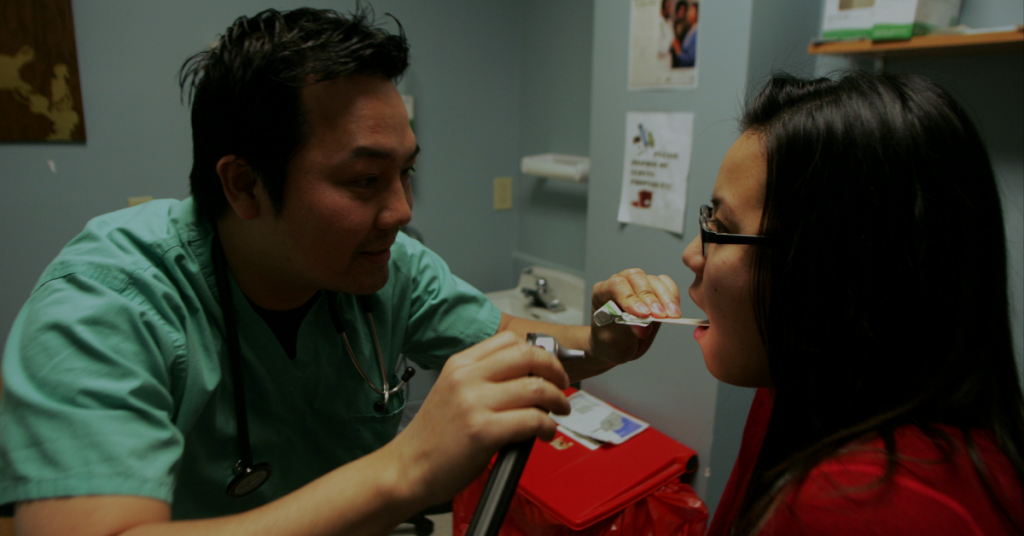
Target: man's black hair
245	89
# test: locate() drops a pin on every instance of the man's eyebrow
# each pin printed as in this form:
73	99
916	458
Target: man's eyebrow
375	153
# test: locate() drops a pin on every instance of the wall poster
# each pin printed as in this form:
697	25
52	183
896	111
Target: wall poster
40	91
663	44
657	165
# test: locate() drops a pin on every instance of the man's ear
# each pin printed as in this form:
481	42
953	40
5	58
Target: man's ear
240	185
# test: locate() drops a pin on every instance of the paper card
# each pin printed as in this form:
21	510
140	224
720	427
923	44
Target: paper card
593	418
657	165
587	442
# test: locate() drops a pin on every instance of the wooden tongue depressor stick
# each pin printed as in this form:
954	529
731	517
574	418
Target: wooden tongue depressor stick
635	320
610	312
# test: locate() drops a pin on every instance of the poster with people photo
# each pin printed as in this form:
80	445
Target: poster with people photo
663	44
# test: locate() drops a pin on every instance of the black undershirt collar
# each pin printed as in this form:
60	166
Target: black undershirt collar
285	324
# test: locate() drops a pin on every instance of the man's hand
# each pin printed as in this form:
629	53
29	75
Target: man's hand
607	346
487	396
639	294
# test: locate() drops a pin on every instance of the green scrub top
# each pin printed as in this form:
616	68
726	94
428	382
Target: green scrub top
117	380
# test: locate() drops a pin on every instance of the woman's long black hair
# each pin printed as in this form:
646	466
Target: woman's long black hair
883	301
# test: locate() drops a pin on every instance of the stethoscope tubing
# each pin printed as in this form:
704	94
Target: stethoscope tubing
234	352
387	391
249	477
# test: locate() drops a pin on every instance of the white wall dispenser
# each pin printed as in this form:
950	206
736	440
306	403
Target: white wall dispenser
557	166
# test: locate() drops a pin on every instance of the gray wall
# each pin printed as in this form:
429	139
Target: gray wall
555	118
670	387
466	77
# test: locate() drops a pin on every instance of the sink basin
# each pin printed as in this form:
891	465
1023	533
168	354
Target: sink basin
567	287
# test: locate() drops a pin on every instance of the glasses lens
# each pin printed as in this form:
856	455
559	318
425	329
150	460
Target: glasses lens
705	213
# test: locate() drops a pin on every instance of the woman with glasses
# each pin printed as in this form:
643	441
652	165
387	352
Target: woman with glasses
852	265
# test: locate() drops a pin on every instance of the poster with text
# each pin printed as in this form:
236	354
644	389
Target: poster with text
663	44
657	164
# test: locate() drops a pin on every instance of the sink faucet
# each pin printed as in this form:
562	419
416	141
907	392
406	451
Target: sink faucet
544	296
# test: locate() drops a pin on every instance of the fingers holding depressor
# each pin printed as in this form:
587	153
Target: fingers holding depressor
668	293
638	293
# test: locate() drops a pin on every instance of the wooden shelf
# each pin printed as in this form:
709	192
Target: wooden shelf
1011	42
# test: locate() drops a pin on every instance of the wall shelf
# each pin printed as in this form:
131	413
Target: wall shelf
1011	42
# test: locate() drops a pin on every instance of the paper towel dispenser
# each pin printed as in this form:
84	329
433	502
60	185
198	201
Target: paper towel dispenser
557	166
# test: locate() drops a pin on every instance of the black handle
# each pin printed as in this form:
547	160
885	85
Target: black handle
501	487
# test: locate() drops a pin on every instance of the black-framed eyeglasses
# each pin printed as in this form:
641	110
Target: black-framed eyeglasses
708	236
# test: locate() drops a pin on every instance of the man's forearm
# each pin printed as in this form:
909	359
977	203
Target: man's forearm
574	337
367	496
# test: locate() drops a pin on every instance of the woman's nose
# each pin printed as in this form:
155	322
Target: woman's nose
693	257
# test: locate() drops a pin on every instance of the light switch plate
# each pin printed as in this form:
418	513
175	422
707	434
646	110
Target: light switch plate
503	193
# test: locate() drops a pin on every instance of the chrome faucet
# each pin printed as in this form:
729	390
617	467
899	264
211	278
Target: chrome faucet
544	296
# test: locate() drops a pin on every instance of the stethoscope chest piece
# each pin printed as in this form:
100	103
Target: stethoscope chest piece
386	390
381	406
248	479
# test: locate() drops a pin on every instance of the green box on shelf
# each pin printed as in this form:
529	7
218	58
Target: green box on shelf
846	20
903	19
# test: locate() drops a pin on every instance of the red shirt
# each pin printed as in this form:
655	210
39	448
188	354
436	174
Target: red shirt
842	496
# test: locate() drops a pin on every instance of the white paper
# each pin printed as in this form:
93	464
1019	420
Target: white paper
662	50
657	164
587	442
591	417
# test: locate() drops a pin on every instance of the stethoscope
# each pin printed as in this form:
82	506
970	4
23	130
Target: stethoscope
249	476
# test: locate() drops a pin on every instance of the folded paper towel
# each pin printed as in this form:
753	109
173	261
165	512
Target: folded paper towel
557	166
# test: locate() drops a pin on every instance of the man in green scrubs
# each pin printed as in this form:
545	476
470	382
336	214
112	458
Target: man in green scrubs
119	410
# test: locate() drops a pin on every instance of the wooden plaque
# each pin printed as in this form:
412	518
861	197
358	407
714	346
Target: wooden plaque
40	91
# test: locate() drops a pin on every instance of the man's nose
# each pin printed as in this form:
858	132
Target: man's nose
397	209
693	257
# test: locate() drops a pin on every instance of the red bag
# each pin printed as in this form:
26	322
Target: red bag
622	490
672	510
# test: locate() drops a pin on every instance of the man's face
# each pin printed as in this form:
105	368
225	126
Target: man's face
681	11
347	191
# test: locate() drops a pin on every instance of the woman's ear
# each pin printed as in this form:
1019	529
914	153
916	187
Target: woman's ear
240	184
